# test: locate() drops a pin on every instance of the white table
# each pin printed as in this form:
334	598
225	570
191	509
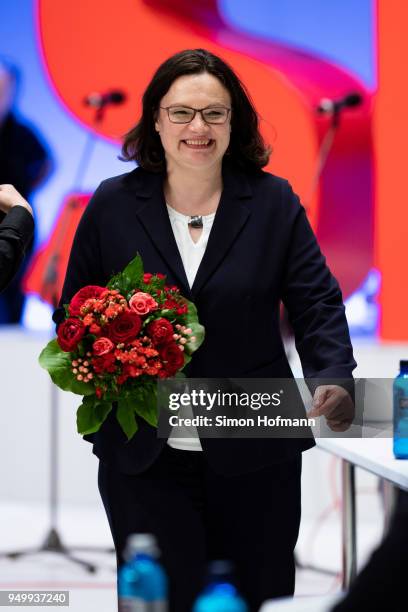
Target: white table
320	603
376	456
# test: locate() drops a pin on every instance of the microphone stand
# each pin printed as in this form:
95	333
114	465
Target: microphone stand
53	542
89	146
323	153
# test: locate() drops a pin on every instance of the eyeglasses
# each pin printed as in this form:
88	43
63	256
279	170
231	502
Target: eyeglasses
184	114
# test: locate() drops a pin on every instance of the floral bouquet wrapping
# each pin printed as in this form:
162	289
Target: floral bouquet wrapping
117	341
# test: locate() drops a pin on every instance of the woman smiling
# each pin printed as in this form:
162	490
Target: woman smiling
235	239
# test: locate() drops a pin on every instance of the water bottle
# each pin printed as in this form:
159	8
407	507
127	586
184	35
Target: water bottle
142	583
220	594
400	395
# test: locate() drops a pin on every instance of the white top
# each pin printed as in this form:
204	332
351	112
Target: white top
191	255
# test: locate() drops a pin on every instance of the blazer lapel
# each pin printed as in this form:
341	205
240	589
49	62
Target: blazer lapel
155	219
231	216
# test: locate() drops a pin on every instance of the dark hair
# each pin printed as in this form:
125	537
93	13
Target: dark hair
246	149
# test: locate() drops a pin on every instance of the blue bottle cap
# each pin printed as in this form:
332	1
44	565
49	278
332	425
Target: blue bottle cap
142	543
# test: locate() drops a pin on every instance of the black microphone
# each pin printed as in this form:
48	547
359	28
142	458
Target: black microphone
99	100
328	106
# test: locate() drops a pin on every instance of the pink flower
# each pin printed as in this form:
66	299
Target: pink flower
102	346
142	303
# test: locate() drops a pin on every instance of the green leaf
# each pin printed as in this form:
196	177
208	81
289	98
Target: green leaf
149	319
167	313
58	365
198	332
187	359
192	314
192	311
130	278
126	417
145	405
196	327
91	414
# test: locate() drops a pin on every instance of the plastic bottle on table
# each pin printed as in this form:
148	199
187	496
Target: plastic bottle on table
220	594
142	583
400	401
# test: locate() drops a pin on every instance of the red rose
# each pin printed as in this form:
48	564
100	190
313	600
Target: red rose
173	357
102	346
160	331
125	327
147	277
79	299
160	275
105	363
69	334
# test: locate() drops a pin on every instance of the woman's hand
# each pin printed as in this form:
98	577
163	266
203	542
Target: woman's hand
335	404
10	197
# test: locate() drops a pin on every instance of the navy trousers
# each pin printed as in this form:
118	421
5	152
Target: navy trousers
198	515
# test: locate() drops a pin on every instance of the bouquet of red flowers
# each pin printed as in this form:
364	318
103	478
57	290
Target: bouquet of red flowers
117	341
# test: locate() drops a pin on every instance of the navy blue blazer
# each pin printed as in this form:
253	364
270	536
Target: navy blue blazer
261	250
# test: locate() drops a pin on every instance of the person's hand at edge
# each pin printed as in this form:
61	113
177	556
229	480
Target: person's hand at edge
334	403
10	197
